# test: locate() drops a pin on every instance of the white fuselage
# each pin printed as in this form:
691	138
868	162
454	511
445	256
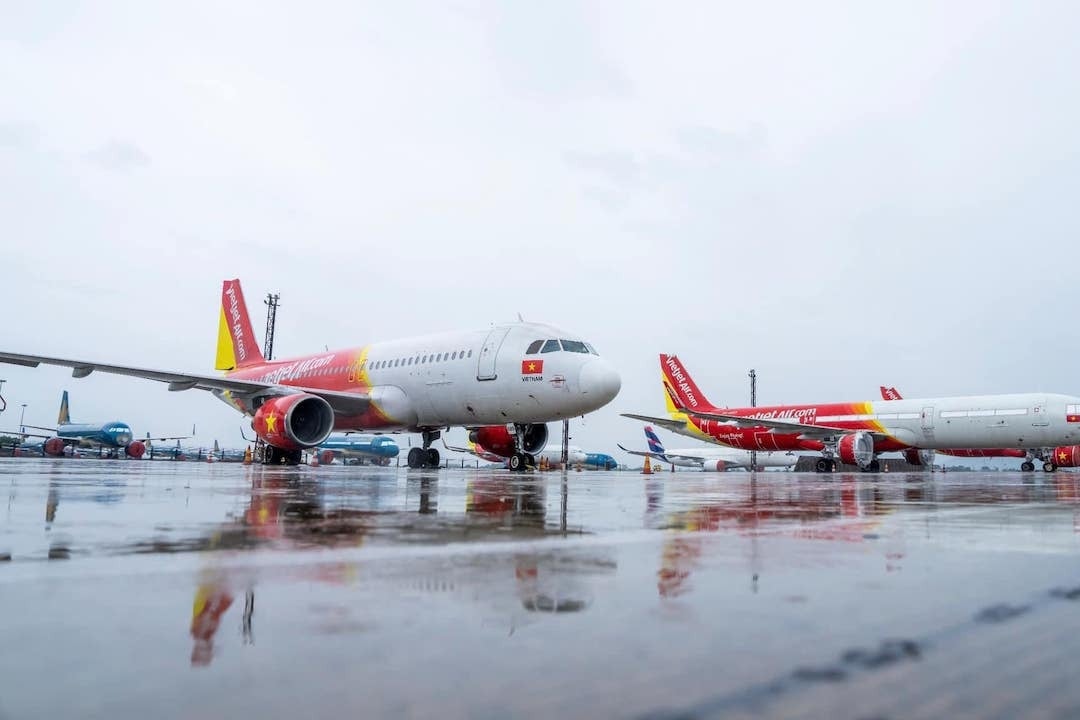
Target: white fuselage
470	379
553	454
714	460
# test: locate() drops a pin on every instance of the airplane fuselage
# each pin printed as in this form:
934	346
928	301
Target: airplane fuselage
487	377
1027	420
113	434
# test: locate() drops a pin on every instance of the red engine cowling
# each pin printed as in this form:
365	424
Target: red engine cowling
135	449
53	447
326	457
721	466
1067	456
856	449
497	439
294	422
914	456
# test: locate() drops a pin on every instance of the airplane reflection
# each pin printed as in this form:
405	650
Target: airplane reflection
284	513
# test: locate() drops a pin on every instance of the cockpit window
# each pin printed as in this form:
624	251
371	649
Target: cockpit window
534	347
550	346
575	346
592	350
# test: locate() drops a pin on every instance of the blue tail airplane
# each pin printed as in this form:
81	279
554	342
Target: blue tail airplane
111	436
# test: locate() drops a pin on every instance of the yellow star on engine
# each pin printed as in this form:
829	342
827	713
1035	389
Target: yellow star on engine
1062	456
271	423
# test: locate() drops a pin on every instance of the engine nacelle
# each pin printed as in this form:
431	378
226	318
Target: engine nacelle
135	449
856	449
294	422
497	439
326	457
924	458
1066	456
53	447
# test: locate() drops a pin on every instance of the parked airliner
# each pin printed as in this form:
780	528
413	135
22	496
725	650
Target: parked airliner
111	436
709	459
855	433
378	449
511	378
1052	457
501	453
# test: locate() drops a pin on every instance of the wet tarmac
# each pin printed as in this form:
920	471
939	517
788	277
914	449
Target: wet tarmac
185	590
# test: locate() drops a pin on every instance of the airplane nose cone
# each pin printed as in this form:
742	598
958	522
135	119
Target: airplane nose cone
599	382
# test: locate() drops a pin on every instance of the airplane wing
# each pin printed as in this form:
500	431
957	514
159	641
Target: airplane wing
20	433
674	425
341	402
665	457
451	448
787	427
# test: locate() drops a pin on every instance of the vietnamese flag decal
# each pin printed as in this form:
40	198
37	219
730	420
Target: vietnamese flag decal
532	367
1072	418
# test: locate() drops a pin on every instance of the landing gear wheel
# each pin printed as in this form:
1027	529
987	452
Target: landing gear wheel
530	460
1027	466
1049	467
270	455
823	465
431	458
517	462
416	458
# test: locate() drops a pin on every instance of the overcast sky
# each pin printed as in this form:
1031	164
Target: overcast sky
839	195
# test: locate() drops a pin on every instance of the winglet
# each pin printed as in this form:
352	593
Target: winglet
889	393
236	346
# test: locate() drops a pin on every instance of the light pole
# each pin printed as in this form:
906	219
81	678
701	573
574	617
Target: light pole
21	416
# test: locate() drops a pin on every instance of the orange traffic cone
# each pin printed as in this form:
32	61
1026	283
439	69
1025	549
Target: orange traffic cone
646	469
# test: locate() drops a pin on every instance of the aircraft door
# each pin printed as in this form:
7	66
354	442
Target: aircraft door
1039	416
928	420
485	366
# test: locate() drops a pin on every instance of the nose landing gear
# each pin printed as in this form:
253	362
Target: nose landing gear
425	458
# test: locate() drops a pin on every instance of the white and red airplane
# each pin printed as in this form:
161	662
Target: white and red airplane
710	459
1052	457
509	379
857	432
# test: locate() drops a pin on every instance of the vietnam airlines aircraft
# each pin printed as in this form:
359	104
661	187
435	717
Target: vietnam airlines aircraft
112	436
379	449
855	433
710	459
1052	457
509	378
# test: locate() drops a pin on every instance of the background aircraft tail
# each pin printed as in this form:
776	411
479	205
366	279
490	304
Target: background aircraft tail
236	346
65	414
678	383
655	446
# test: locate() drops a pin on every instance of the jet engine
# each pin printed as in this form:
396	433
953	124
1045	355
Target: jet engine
326	457
135	449
497	439
53	447
1066	456
924	458
856	449
720	466
294	422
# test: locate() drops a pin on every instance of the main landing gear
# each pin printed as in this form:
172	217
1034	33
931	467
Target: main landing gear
278	456
824	465
426	457
520	461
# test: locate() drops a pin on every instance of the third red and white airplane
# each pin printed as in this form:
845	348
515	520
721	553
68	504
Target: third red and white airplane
857	432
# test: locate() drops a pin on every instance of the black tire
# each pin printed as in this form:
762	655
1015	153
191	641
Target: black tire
416	458
1049	467
517	462
431	458
1027	466
270	455
823	465
874	466
530	460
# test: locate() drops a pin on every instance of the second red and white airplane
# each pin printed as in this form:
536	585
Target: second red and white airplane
509	379
857	432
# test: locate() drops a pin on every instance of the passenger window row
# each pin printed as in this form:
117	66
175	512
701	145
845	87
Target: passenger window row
416	360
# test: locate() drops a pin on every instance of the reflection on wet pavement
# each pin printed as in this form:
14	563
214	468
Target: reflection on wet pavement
180	589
